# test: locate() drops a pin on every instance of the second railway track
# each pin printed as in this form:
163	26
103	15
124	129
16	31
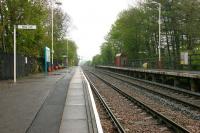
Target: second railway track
190	99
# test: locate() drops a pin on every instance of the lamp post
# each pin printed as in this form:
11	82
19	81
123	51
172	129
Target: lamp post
52	50
159	23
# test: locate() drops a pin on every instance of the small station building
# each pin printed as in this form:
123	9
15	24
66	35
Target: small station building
121	60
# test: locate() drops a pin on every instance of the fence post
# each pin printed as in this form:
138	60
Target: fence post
190	62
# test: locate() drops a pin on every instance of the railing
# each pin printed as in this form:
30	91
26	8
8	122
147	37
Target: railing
25	65
167	63
194	62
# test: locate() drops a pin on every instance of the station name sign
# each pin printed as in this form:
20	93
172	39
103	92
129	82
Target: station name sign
28	27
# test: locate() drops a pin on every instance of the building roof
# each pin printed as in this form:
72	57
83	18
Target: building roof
120	54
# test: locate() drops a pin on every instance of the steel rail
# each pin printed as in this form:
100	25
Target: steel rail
108	110
156	92
171	124
190	93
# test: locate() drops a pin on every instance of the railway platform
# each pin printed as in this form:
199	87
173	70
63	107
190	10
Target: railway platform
38	104
80	113
177	78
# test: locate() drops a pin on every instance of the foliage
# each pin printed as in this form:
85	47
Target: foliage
107	54
96	60
87	63
62	49
32	42
135	32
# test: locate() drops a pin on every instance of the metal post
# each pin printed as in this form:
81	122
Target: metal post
14	54
159	22
52	32
14	48
67	54
45	60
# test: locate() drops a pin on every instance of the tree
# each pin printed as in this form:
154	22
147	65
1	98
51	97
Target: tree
61	51
14	12
96	60
135	32
107	54
37	12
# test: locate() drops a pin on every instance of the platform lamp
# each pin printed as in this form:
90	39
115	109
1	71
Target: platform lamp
52	12
159	23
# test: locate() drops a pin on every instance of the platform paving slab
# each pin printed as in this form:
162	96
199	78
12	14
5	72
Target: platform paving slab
75	100
74	126
74	118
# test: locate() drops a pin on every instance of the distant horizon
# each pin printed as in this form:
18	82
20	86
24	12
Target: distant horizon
90	24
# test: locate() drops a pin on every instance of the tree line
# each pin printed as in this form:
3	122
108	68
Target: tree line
136	33
32	42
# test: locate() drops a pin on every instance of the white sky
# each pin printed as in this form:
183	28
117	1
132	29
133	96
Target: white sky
92	20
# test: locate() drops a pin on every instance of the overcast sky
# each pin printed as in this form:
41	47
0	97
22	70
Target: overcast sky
92	20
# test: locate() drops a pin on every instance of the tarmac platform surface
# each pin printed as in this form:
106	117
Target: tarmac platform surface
53	103
35	103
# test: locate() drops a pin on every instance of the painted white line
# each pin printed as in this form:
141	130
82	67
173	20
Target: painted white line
98	123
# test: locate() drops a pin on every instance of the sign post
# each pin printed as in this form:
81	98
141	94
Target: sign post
14	54
25	27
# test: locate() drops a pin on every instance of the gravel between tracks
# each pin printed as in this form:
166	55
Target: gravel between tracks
191	112
132	117
106	122
158	104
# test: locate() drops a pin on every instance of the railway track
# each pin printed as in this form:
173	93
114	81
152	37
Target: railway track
106	122
117	124
188	98
184	115
154	114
